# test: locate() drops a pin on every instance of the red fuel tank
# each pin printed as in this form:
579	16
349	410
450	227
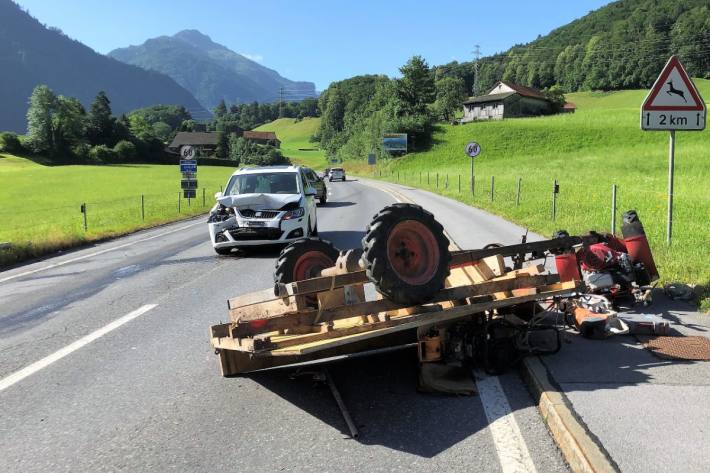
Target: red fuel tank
567	267
636	243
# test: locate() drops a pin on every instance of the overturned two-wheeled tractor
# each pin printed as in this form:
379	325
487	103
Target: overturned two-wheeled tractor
458	306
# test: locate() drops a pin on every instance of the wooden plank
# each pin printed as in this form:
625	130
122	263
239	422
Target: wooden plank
286	321
416	320
274	308
496	263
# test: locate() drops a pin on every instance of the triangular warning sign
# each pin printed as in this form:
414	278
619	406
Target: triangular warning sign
673	91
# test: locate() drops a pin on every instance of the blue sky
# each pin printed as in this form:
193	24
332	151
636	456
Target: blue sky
316	40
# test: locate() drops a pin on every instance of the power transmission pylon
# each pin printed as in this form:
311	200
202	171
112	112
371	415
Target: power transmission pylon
477	55
281	102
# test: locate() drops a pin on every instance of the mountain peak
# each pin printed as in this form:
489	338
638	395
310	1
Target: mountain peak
211	71
195	38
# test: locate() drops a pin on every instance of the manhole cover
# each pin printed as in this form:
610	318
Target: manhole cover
680	348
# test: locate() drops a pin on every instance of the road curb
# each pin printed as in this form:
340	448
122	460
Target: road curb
581	450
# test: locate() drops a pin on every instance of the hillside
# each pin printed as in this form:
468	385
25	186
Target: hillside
622	45
295	138
211	71
587	152
32	54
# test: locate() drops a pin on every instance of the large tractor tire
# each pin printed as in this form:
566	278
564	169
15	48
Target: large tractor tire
304	259
406	254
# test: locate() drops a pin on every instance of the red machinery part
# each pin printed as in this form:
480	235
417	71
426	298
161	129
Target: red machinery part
567	267
636	243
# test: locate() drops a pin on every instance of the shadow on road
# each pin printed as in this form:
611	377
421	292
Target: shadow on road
333	205
343	239
380	393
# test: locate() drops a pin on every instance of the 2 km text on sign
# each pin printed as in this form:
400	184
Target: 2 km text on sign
673	102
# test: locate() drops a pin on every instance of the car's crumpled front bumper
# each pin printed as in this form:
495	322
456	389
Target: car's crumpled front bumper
239	231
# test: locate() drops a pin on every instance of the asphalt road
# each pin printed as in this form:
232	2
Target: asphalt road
147	394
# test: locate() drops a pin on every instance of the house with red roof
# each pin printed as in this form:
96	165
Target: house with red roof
506	100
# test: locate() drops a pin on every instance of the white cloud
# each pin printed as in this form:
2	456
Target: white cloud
253	57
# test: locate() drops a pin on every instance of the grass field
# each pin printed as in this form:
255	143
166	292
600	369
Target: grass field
40	205
600	145
295	144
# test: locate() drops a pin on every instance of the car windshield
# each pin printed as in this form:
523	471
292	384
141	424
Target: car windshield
338	169
264	183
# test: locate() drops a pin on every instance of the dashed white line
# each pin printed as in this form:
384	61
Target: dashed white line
96	253
509	443
18	376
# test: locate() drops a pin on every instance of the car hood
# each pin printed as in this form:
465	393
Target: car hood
259	201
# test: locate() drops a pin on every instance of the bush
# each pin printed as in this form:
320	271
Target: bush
10	143
82	152
125	151
102	154
264	156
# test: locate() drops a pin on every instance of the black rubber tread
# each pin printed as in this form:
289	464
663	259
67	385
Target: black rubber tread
285	263
374	257
224	250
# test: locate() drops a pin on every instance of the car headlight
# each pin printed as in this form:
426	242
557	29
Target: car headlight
298	213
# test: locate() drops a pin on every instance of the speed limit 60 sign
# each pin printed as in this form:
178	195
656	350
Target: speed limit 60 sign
187	152
473	149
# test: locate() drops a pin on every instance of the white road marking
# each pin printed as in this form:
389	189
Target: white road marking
511	448
18	376
96	253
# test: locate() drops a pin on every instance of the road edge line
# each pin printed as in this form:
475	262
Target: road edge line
574	439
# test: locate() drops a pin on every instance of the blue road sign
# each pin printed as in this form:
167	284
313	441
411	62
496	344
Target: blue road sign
188	165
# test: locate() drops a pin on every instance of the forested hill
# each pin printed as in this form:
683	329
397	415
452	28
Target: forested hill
32	54
211	71
623	45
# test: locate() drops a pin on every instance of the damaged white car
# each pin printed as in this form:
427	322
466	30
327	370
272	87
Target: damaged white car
263	206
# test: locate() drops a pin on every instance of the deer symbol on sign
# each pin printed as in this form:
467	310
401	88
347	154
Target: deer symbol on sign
673	91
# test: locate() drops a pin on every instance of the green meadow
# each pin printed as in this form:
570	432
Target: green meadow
40	205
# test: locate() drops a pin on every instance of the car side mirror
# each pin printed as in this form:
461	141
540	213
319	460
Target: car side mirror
217	195
310	191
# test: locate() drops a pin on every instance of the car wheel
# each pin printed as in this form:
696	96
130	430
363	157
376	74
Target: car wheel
224	251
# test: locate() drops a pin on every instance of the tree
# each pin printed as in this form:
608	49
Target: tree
556	97
69	125
162	131
222	150
221	109
237	145
10	143
415	90
99	129
40	123
450	93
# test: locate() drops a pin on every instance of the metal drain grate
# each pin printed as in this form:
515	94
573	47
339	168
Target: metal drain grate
680	348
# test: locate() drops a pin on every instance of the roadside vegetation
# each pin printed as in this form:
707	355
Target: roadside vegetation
296	140
586	152
40	204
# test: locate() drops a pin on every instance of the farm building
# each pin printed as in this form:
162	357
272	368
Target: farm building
204	142
263	138
506	100
569	107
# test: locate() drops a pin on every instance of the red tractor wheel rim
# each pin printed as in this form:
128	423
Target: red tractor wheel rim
310	264
413	252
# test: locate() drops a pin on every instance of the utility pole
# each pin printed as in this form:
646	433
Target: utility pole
477	55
